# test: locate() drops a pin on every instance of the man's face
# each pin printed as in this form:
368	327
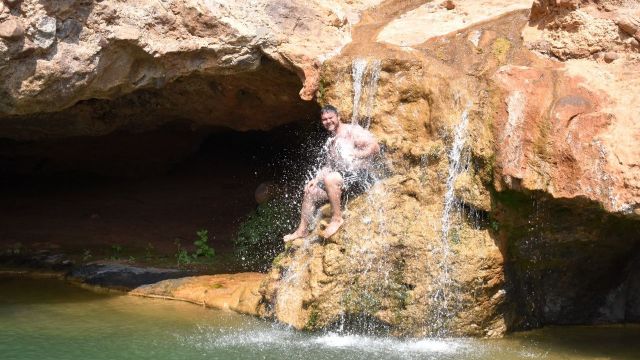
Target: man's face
330	121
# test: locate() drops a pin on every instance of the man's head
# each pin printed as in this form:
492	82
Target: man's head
330	118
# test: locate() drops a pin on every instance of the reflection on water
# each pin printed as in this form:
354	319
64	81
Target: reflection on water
48	319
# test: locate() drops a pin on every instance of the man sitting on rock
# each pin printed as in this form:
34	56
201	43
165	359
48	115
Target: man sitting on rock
350	152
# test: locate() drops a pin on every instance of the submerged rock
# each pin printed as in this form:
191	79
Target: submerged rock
121	276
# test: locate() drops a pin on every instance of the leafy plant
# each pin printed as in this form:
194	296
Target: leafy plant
86	255
259	236
15	249
182	255
202	249
202	246
116	252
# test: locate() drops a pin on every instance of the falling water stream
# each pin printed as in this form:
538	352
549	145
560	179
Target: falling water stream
458	163
365	75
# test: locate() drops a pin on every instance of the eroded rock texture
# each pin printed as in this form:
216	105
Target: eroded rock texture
510	193
175	55
549	183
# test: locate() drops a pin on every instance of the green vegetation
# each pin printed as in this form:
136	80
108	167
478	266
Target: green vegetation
202	249
322	88
454	235
86	255
15	249
259	236
202	245
312	322
182	255
116	252
362	301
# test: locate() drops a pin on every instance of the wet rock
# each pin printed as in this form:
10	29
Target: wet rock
69	28
11	29
40	260
236	292
122	276
45	32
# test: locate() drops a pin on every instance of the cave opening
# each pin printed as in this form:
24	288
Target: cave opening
145	189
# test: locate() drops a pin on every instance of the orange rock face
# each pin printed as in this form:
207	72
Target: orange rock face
73	52
555	136
236	292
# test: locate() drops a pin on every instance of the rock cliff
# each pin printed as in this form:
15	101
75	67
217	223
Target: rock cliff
510	196
216	63
544	223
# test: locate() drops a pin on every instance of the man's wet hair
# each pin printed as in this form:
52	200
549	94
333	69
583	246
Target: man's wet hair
329	108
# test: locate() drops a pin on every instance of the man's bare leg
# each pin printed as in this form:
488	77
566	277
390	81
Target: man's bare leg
312	195
333	182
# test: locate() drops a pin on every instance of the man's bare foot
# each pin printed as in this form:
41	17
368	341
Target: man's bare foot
296	235
332	228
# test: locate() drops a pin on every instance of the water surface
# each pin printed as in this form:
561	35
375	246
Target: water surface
49	319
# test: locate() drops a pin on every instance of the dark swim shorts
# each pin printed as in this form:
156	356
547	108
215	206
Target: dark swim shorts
354	182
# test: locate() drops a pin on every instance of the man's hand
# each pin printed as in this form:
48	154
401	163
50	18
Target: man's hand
311	184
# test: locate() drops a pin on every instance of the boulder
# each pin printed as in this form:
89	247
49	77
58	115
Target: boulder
235	292
11	29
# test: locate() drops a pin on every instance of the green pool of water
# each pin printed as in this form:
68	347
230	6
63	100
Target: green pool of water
49	319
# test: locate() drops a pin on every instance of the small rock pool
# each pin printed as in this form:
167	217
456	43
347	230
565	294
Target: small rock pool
50	319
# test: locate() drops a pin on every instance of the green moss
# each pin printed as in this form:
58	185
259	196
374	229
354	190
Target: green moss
541	143
322	88
278	259
312	322
501	49
361	301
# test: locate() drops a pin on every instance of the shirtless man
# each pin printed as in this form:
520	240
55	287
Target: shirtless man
349	154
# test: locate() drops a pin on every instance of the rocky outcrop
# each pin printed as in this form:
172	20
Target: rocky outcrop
236	292
563	136
55	54
120	276
510	193
548	170
581	29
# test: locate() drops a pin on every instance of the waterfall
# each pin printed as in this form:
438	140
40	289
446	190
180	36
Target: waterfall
365	85
358	67
458	163
372	87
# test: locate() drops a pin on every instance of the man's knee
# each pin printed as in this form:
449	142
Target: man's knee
333	178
